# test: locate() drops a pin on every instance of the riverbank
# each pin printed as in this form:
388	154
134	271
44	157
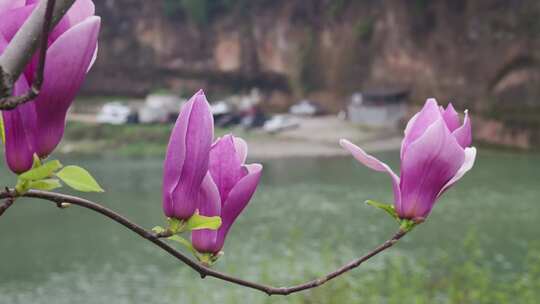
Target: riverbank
316	137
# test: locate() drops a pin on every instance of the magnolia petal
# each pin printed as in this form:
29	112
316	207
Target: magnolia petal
198	135
419	123
13	19
209	204
451	117
428	164
175	157
19	125
241	148
10	4
94	58
374	164
79	11
463	134
224	165
238	199
65	69
470	156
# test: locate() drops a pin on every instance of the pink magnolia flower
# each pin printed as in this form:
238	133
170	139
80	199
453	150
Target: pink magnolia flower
186	162
38	126
230	184
435	154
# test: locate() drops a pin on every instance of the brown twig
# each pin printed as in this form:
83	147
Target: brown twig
202	270
22	47
11	102
6	204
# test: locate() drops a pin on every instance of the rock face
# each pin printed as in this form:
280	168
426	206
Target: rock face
482	55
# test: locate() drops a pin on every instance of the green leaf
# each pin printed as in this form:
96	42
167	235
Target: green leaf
44	171
45	184
197	222
176	225
79	179
386	207
22	186
158	229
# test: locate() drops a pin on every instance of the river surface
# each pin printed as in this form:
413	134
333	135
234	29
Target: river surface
306	218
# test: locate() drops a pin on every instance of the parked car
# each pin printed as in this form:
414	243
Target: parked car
160	108
114	113
306	108
280	123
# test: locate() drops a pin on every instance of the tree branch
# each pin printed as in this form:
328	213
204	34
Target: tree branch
22	47
6	204
61	199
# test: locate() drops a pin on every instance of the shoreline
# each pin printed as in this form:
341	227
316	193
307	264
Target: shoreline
315	137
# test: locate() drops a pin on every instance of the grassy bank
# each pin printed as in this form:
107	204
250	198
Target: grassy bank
123	140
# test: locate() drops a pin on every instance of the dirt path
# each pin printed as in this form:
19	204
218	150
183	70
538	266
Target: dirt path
320	136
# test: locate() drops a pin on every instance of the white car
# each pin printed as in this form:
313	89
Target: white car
114	113
280	123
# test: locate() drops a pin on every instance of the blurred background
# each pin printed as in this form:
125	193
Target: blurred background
293	77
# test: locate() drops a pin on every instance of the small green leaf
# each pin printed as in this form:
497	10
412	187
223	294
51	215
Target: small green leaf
45	184
22	186
79	179
44	171
197	222
386	207
158	229
176	225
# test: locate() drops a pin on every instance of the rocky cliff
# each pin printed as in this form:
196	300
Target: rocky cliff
482	55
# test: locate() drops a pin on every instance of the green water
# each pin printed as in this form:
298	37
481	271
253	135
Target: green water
306	218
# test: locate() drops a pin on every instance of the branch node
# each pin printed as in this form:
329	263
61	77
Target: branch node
165	234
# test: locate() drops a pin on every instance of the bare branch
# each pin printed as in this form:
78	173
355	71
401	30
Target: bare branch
22	47
12	102
202	270
6	204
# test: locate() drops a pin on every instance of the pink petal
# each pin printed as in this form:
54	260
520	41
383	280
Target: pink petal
241	148
12	20
464	133
186	161
209	203
470	156
19	125
79	11
10	4
175	157
374	164
65	69
451	117
419	123
237	201
428	164
224	165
